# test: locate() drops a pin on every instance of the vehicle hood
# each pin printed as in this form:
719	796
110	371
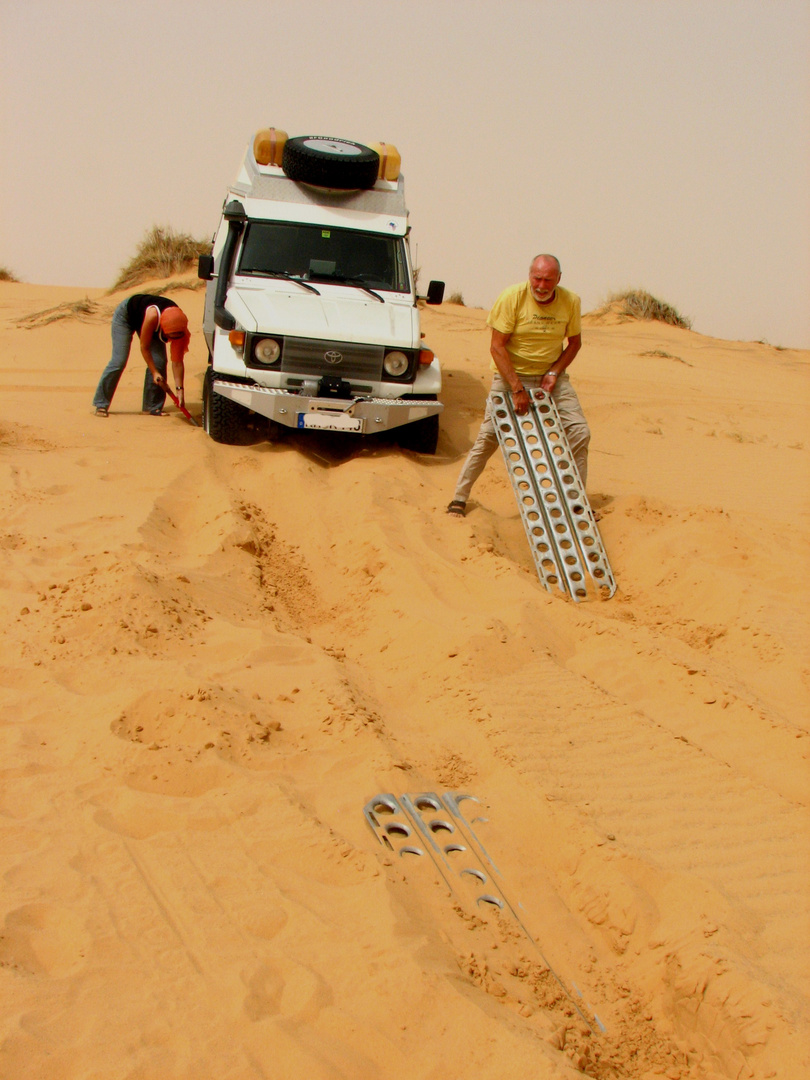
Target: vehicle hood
338	314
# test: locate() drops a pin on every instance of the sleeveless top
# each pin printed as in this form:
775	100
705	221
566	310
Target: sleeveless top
139	304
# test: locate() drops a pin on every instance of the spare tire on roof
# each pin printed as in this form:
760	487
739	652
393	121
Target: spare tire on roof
330	163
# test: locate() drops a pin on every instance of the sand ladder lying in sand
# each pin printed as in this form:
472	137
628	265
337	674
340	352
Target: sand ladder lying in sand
433	825
557	516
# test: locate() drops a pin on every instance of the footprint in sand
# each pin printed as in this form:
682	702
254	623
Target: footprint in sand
290	989
43	939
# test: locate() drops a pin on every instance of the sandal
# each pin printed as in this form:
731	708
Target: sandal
102	410
457	508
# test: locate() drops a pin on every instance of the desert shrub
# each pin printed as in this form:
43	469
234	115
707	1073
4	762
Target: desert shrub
161	253
638	304
665	356
84	310
6	275
456	298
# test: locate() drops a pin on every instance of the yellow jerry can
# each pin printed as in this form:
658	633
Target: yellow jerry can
268	146
390	161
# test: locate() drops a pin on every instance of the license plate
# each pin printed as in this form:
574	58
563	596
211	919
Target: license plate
326	421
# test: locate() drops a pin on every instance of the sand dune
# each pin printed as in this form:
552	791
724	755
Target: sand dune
213	657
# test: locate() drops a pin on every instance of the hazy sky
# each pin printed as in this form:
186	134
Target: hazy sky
658	144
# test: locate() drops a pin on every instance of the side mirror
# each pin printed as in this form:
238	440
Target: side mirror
435	293
205	267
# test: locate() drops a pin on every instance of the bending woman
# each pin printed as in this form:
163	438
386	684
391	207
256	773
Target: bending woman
156	321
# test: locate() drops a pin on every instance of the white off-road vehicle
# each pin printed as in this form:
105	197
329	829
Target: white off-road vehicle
311	312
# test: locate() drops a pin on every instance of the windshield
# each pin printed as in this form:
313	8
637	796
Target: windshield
318	253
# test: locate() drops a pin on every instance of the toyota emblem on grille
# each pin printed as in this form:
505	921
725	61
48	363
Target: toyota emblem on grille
333	356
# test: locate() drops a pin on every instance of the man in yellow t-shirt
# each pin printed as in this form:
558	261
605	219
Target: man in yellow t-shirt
536	333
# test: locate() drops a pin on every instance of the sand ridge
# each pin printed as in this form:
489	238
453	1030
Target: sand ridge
214	656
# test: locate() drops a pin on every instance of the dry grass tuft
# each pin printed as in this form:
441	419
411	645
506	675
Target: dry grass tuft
83	310
455	298
6	275
638	304
189	284
161	253
665	355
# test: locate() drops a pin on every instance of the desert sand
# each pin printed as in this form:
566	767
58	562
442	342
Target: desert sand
213	657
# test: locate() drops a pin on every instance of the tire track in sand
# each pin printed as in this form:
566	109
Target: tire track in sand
652	794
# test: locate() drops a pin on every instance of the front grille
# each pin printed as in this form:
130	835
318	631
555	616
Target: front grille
346	360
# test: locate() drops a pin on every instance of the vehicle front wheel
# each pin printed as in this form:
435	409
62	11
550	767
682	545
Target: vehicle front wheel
422	436
222	418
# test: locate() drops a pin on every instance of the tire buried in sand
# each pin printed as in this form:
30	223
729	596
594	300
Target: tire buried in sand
222	419
421	436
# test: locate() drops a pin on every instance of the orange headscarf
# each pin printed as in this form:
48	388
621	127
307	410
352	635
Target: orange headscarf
173	321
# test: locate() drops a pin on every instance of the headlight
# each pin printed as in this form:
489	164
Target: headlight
266	351
395	363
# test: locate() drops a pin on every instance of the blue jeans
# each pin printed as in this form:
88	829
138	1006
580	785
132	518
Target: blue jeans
122	334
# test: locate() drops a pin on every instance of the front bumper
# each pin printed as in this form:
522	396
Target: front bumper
360	415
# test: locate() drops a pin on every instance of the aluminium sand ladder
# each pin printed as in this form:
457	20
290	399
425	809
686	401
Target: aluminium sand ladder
557	516
427	824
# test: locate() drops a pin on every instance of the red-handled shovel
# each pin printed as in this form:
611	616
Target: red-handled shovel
182	408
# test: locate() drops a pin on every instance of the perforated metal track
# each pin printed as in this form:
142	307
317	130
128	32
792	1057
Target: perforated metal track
561	529
426	824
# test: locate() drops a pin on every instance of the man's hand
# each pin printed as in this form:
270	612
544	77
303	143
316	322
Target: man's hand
549	381
520	399
160	380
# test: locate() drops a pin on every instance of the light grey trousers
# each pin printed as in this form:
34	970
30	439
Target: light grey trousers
573	421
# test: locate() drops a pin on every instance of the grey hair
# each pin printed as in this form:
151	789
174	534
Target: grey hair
554	257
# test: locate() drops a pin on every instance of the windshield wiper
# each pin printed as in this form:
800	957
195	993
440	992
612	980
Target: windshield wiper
283	274
356	281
